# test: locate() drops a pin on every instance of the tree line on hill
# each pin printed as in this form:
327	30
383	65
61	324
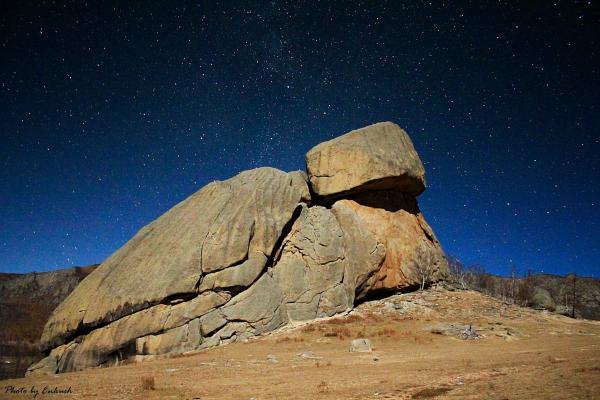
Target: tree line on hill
571	295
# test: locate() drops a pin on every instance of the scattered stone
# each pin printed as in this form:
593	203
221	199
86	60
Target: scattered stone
360	346
469	334
309	355
272	359
447	329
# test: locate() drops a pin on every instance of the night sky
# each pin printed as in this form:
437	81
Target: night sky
111	113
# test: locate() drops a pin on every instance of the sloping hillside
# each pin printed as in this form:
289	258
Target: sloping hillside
26	302
585	292
571	295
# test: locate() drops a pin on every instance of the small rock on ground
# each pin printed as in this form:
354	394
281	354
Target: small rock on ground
360	346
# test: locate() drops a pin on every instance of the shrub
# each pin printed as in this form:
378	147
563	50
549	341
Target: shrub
148	382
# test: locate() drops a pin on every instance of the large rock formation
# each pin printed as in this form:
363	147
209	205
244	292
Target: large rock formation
246	256
379	156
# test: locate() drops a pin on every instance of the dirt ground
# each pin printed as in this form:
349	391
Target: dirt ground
522	354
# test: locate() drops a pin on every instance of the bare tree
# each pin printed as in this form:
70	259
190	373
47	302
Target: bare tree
573	280
513	283
458	271
525	290
424	272
473	276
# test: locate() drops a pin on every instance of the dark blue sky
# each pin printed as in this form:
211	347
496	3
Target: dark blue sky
111	113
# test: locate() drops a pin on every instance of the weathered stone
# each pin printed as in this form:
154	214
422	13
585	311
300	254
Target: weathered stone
333	301
211	322
181	313
312	263
360	346
241	275
363	250
177	340
259	305
299	311
228	333
229	223
379	156
245	256
412	253
50	364
98	346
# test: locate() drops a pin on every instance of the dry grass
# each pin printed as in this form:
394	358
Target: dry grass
386	332
339	332
374	318
148	382
345	320
556	360
285	339
322	387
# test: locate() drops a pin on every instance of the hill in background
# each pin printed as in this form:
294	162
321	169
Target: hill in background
26	303
570	295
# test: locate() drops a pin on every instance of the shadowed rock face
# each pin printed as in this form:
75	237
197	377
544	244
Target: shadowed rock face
248	255
412	251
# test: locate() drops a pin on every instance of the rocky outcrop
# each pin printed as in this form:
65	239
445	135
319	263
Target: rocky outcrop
234	223
245	256
379	156
412	252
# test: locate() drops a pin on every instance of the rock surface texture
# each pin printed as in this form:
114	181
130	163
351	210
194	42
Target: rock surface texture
379	156
248	255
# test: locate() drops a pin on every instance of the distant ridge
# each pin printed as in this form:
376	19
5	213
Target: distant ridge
571	295
26	303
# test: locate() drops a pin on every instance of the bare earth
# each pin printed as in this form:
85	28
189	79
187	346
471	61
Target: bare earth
523	354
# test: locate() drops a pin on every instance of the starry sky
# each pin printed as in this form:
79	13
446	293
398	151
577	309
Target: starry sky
112	112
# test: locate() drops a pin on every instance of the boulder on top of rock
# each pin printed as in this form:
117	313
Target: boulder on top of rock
379	156
246	256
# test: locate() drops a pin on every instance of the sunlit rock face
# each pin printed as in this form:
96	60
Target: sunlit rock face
248	255
379	156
